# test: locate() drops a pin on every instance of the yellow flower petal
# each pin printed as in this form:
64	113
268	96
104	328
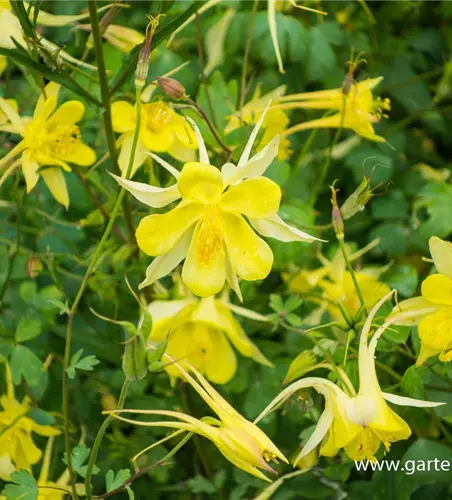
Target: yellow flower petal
30	169
257	198
157	234
200	182
47	101
250	256
437	289
410	311
54	178
204	272
123	116
441	252
126	141
435	332
158	141
68	113
220	364
79	154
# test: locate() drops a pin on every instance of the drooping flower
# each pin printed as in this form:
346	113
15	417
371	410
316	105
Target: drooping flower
360	422
240	441
337	286
162	130
207	227
200	332
275	122
51	140
433	310
17	449
357	110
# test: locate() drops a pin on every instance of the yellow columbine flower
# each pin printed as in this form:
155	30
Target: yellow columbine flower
162	130
3	64
239	440
200	332
17	449
337	285
433	310
275	122
360	422
51	140
360	109
207	227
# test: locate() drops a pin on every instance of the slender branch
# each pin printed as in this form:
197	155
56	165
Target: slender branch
98	441
209	124
352	273
105	93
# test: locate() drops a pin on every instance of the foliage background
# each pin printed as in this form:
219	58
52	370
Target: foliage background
409	44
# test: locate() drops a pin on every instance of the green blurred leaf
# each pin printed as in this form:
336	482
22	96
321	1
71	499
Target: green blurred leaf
25	487
27	329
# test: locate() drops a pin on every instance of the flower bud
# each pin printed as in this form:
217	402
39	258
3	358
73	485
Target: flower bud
336	217
357	200
34	266
144	56
134	361
171	87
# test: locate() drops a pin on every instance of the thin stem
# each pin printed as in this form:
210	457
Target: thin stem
105	93
352	273
98	441
247	55
73	310
209	124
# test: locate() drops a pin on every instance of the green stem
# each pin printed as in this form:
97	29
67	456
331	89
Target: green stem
106	101
73	310
352	273
98	441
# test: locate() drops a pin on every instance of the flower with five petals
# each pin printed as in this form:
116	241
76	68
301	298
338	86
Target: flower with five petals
360	422
208	227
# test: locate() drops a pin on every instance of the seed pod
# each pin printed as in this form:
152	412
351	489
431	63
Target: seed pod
134	361
357	200
336	217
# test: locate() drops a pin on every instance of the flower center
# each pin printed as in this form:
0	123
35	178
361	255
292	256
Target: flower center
210	236
361	410
61	140
158	116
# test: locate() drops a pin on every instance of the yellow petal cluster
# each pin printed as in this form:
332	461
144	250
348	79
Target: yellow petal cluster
200	332
337	286
433	310
208	227
357	110
51	140
17	449
162	130
240	441
357	422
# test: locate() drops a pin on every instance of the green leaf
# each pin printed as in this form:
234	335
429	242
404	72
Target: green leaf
113	481
64	80
41	417
79	456
87	364
24	363
199	484
27	329
402	277
391	206
25	487
322	58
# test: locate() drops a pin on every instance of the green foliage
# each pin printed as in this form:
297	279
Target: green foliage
78	363
24	487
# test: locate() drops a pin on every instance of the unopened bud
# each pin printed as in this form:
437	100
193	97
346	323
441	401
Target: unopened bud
171	87
144	56
134	361
357	200
336	217
34	266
